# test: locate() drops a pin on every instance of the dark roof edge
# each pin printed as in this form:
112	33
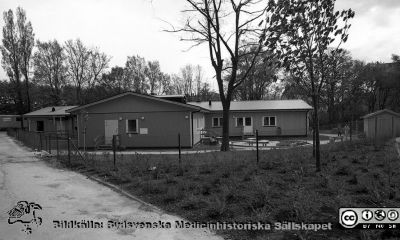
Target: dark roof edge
263	110
138	95
381	111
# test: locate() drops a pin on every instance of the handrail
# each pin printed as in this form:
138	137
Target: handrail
397	145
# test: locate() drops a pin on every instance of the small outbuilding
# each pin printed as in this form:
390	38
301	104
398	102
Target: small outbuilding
383	124
10	121
50	119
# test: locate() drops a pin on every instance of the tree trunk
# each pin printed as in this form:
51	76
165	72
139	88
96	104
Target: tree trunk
313	139
225	126
331	107
28	97
316	129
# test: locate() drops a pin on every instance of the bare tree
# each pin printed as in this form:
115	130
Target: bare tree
187	77
78	65
115	80
154	75
135	72
98	64
16	50
26	42
198	79
222	25
50	69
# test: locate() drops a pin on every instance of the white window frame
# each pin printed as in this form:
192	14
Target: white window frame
236	121
269	120
137	125
244	121
220	119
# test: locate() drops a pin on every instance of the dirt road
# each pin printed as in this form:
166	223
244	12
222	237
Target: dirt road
68	196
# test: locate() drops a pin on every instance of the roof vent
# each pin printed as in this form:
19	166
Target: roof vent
53	109
209	102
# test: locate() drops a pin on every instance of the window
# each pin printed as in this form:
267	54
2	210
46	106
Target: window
243	121
39	126
239	122
217	121
269	121
247	121
7	119
132	126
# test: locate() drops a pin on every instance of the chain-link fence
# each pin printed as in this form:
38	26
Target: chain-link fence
58	144
64	147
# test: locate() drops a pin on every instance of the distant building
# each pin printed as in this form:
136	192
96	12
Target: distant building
10	121
50	119
269	117
382	124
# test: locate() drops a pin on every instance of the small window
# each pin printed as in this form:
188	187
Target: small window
247	121
269	121
217	121
132	126
39	126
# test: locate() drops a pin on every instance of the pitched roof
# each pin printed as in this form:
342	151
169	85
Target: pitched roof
48	111
257	105
138	95
380	112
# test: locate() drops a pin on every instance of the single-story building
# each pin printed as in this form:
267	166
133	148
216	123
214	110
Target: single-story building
140	121
10	121
269	117
50	119
382	124
146	121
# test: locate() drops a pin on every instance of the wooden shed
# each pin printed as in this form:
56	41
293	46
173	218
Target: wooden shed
383	124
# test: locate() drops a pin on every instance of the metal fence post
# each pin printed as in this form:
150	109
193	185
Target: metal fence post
45	143
50	143
114	146
179	147
58	148
69	150
257	146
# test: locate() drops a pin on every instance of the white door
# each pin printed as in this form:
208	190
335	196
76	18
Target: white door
248	126
198	125
111	128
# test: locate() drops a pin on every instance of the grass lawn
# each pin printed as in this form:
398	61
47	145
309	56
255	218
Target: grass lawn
282	187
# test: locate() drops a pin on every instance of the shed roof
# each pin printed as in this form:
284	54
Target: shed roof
381	112
160	99
257	105
48	111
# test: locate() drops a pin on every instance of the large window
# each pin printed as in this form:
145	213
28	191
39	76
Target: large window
39	126
217	121
269	121
132	126
243	121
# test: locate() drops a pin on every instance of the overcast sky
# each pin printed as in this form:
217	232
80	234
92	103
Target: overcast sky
124	28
